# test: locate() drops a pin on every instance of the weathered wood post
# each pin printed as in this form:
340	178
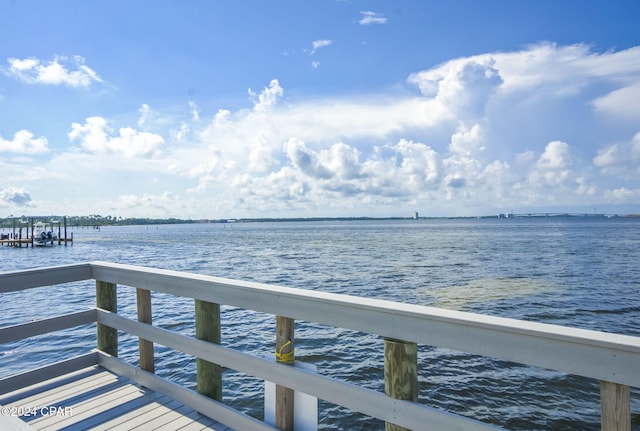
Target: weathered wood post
615	405
106	298
143	298
400	373
208	374
284	354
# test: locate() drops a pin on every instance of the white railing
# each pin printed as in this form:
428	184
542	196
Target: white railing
610	358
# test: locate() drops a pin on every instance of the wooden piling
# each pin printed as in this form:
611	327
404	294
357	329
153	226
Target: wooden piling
106	299
65	231
284	354
143	298
208	374
32	229
615	405
400	373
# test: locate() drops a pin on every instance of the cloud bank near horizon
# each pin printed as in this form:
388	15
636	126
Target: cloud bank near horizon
545	126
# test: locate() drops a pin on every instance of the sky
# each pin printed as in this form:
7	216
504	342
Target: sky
247	109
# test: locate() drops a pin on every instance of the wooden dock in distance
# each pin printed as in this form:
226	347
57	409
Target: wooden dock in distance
16	238
17	242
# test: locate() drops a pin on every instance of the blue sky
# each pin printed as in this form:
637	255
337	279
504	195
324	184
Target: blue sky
220	109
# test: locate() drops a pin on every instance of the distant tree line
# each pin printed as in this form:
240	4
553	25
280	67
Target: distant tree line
90	220
96	220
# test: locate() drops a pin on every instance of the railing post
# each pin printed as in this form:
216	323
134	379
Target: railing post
400	373
615	405
208	374
286	355
106	299
143	298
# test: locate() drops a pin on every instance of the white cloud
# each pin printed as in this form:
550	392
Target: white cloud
97	137
59	71
556	156
24	142
471	140
320	43
622	195
268	97
420	167
446	149
620	103
463	88
552	167
15	196
195	115
467	142
537	72
620	159
146	115
305	161
369	17
404	168
181	133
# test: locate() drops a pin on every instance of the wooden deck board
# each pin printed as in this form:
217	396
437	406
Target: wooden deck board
99	405
142	416
97	399
181	421
163	415
51	396
133	418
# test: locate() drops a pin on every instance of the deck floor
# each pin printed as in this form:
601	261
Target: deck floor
96	399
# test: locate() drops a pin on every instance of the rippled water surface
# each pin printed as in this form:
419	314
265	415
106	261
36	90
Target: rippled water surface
570	271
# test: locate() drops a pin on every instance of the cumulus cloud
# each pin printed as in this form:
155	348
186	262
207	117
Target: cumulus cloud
465	137
96	136
552	167
621	159
320	43
369	17
305	160
467	142
556	156
622	195
538	72
195	114
401	169
446	148
69	71
147	115
268	97
24	142
620	103
462	87
15	196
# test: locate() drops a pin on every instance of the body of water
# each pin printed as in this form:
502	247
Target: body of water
580	272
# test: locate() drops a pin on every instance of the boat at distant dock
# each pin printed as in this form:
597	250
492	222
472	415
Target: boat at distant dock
42	236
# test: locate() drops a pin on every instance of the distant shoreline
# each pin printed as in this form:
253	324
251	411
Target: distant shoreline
82	221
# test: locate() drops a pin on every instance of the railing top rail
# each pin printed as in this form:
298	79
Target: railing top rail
12	281
246	294
599	355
